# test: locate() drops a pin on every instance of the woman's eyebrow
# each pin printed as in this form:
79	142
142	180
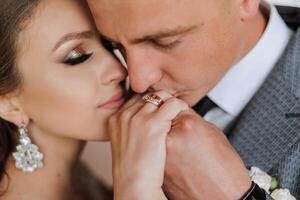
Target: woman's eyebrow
74	36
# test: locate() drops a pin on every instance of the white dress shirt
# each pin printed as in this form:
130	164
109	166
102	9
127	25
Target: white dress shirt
243	80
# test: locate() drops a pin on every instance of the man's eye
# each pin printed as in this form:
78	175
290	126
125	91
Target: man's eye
164	44
76	57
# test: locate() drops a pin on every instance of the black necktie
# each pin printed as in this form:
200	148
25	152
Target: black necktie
204	105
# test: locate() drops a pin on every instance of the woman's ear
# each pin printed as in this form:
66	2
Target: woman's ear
248	9
11	110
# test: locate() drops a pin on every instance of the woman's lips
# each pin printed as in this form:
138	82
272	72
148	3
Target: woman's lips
115	102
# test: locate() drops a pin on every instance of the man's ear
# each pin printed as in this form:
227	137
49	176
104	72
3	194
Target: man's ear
11	110
248	9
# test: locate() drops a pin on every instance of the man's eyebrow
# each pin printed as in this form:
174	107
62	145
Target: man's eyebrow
165	33
74	36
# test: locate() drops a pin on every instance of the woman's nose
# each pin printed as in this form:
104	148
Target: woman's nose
115	72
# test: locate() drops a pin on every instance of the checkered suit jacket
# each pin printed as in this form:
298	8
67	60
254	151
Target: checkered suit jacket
267	133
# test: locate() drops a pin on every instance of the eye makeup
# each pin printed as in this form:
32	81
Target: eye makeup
77	56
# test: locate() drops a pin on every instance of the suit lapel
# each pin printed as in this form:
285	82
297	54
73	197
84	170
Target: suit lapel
270	125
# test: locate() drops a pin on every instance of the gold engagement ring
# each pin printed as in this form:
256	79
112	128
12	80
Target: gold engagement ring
154	99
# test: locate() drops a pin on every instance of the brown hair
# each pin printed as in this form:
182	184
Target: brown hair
13	15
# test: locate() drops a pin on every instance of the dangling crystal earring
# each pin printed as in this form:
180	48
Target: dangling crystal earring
27	157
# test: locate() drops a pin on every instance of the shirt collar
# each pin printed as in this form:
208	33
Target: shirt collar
242	81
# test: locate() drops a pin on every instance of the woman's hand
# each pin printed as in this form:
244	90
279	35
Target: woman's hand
138	133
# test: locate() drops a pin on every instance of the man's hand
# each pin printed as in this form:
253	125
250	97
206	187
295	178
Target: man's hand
201	163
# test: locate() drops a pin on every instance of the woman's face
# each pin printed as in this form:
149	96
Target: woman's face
71	84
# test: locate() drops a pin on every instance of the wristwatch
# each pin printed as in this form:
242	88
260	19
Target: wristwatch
254	193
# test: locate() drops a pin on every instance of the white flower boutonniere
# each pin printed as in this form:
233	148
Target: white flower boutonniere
282	194
269	184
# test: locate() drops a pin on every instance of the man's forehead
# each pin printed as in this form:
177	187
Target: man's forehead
157	3
128	2
127	5
135	19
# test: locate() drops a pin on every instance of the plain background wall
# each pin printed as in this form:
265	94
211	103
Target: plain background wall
98	156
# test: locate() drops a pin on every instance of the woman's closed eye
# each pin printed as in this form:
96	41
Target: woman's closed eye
77	56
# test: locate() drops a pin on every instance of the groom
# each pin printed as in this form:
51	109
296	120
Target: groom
238	64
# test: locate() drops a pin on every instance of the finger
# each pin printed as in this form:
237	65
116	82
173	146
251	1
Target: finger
133	100
133	107
171	109
149	107
139	107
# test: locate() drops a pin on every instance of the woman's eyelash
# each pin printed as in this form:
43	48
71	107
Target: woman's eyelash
76	58
108	44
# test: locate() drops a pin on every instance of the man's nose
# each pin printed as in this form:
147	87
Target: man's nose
144	71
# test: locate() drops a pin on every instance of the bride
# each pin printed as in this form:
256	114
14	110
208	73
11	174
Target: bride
59	87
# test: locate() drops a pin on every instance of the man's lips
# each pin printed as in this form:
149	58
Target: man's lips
114	102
